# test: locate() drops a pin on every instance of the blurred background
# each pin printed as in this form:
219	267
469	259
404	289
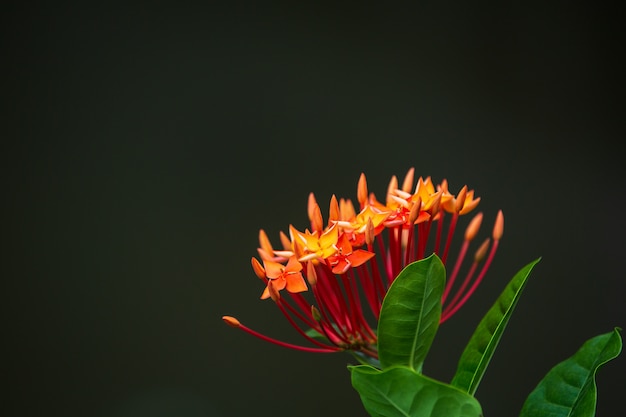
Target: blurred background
146	145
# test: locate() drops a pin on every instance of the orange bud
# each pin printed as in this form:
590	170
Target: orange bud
273	291
346	208
434	207
333	211
407	184
231	321
258	268
443	185
311	274
317	316
369	232
498	227
264	242
460	199
317	223
482	251
472	228
415	211
362	190
311	203
284	240
393	185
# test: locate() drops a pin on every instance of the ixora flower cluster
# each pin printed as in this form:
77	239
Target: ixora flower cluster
336	273
378	281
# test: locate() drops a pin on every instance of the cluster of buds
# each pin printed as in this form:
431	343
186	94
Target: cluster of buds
329	280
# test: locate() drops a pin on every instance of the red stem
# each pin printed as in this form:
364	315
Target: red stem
455	271
446	312
293	323
328	349
483	271
451	228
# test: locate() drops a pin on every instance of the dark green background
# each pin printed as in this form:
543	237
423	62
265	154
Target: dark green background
146	145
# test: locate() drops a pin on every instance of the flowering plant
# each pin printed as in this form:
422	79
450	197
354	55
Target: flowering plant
377	283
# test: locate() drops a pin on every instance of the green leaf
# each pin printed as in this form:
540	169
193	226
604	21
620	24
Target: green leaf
481	347
569	389
410	314
402	392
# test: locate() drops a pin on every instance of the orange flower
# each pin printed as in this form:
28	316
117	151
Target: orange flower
462	203
281	277
403	207
431	199
313	245
346	257
355	227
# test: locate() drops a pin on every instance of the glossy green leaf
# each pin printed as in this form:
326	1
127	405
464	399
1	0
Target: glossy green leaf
402	392
569	389
410	314
481	347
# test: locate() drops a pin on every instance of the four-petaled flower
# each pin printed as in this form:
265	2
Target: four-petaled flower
346	257
312	246
281	277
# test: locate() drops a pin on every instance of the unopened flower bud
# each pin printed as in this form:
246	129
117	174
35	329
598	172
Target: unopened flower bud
264	242
333	211
311	203
472	228
460	199
317	222
498	227
369	232
311	274
274	294
415	211
392	186
317	316
362	193
482	251
407	184
434	207
231	321
258	268
285	241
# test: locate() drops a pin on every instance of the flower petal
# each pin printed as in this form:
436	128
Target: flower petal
293	265
360	256
295	283
273	269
